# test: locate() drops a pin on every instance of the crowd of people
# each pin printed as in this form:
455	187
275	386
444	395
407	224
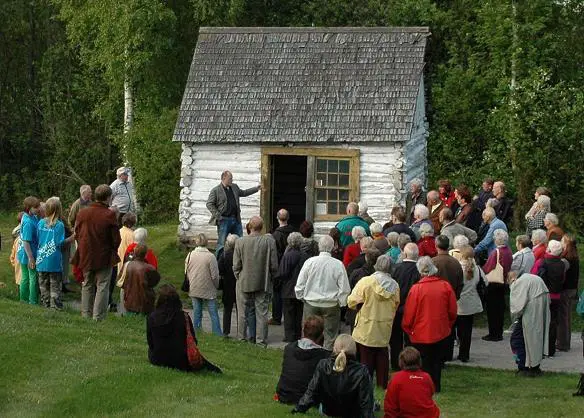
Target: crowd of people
408	290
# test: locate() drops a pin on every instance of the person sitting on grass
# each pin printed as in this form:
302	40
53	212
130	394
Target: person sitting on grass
410	391
171	337
340	384
300	360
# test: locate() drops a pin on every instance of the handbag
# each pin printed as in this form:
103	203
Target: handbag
482	286
193	354
496	275
580	306
186	284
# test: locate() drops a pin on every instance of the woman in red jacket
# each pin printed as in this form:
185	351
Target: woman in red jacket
429	314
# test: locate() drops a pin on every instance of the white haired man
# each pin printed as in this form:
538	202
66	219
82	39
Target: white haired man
323	286
435	206
488	243
123	194
363	208
414	197
84	201
346	225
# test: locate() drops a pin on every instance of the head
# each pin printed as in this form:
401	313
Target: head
352	209
459	241
201	240
31	205
488	215
522	241
168	297
325	244
335	234
539	236
122	174
375	228
491	203
421	212
410	359
392	238
313	329
363	207
433	197
344	346
554	248
402	240
488	185
426	267
550	220
416	186
306	229
570	250
358	233
229	244
53	210
426	230
140	252
463	195
226	178
542	191
365	244
499	188
140	236
85	192
383	264
442	243
544	203
500	237
103	194
444	186
283	216
411	251
398	215
256	223
294	240
129	220
446	216
371	256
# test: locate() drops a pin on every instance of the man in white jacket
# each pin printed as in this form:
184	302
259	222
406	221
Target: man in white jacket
323	286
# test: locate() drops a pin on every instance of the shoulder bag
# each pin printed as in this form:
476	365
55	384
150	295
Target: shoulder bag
186	285
193	354
496	275
481	286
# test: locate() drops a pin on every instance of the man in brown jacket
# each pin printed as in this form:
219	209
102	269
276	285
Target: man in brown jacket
98	239
435	206
255	264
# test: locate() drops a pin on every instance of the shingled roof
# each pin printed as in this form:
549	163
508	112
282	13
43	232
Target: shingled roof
302	85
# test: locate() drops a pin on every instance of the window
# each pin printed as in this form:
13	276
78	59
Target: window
332	185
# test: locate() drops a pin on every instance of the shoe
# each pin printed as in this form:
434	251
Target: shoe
65	289
113	307
522	373
376	406
580	387
535	372
463	360
274	322
490	338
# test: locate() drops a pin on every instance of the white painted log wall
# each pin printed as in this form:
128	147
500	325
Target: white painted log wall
381	168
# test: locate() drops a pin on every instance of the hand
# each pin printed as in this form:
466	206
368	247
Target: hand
259	187
31	264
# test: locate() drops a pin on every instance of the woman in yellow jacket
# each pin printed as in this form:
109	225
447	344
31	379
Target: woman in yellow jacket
376	298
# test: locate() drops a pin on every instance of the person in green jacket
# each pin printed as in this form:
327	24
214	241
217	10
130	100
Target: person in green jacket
345	225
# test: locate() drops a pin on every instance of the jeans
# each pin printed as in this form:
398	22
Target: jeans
517	342
213	313
225	227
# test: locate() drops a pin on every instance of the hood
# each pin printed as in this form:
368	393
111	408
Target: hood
308	246
385	286
303	349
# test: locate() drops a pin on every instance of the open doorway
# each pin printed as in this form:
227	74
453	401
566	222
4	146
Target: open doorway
288	188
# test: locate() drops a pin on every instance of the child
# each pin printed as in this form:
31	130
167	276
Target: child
409	393
51	238
16	244
26	255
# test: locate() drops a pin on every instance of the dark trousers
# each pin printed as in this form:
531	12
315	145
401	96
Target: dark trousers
293	309
554	320
277	305
377	360
495	309
569	297
517	342
227	310
112	284
396	341
449	350
432	355
464	333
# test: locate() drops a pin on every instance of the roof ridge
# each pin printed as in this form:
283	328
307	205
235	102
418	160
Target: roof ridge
311	29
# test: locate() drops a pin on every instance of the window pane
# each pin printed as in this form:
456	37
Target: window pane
333	194
344	180
344	166
321	179
321	165
333	166
343	204
344	195
321	194
332	208
333	180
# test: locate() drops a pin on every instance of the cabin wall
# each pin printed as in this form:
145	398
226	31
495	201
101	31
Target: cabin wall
416	161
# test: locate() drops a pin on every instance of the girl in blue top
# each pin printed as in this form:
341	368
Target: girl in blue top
26	255
51	236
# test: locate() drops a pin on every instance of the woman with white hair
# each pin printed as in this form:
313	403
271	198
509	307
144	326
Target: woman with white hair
140	237
539	241
551	223
535	216
378	296
352	251
429	314
500	259
340	384
459	242
421	216
426	243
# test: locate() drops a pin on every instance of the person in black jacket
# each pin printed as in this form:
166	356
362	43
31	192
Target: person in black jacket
288	271
166	333
406	274
300	360
280	235
340	384
225	264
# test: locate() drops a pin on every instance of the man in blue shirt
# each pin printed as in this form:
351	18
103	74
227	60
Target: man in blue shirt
488	242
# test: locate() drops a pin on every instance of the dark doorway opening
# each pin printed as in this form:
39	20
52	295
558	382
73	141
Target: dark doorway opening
288	188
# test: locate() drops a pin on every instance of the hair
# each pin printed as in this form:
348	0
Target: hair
446	184
225	173
102	193
402	240
283	215
383	264
399	214
256	224
306	229
421	212
140	251
335	234
467	261
167	295
344	345
501	185
200	240
392	238
371	256
129	220
464	193
426	267
433	195
447	214
411	251
489	181
230	242
491	203
313	328
247	228
543	191
29	203
84	188
554	247
410	359
140	235
552	218
570	248
459	241
353	207
500	237
426	230
523	240
363	206
442	242
295	239
416	182
53	210
489	212
539	235
365	243
375	228
325	244
358	232
545	202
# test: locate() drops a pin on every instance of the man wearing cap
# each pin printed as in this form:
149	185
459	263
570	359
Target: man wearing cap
122	192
